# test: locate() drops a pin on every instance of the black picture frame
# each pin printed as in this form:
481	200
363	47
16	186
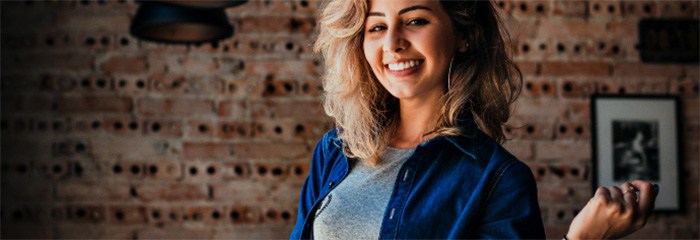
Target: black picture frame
638	137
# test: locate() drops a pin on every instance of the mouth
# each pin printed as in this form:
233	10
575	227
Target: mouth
404	65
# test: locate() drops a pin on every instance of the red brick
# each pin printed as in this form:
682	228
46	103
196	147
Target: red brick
175	106
551	68
174	232
26	230
569	8
260	231
576	28
131	148
287	109
125	64
276	24
578	150
520	149
167	192
92	191
634	69
256	150
208	150
92	231
79	104
287	69
127	214
232	108
528	68
251	192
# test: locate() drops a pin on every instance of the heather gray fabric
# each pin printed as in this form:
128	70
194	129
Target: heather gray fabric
355	208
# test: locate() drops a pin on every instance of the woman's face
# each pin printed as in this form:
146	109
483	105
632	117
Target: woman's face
408	45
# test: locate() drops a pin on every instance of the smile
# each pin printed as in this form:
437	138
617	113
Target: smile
400	66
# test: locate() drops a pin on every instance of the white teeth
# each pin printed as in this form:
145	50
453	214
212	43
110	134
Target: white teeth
403	65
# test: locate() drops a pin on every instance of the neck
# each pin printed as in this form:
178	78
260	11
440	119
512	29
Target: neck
417	118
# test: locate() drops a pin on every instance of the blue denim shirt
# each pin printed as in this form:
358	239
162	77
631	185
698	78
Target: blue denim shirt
451	187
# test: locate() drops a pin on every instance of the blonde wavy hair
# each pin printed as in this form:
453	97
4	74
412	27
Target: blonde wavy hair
485	81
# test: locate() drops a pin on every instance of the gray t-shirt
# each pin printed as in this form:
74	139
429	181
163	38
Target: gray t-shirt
355	208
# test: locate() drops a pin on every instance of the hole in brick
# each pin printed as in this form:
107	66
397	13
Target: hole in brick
684	7
49	41
681	89
235	215
288	87
22	168
611	8
298	171
133	125
17	215
526	48
621	90
241	130
135	169
295	24
562	129
227	128
80	213
133	192
214	45
124	41
101	83
528	86
41	126
299	128
271	214
211	170
615	49
540	171
262	170
560	215
523	7
260	128
155	127
85	83
57	125
175	84
278	129
539	8
215	215
173	216
77	169
574	172
630	8
118	125
270	88
95	124
530	129
601	45
289	46
238	170
305	88
561	48
117	169
647	8
155	214
285	215
140	84
577	48
80	147
153	169
696	88
202	128
304	3
596	7
193	171
277	171
604	88
543	46
579	130
119	215
57	168
568	87
545	87
226	48
89	41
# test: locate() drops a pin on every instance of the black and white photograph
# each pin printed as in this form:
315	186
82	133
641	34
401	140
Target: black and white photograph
637	137
636	152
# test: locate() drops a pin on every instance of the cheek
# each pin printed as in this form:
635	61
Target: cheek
371	54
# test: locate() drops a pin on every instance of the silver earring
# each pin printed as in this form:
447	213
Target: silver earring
449	74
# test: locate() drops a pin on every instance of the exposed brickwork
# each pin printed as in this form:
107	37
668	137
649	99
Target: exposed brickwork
107	136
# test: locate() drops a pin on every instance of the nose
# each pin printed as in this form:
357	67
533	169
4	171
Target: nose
394	41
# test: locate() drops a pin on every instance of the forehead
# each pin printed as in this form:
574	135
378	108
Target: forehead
394	6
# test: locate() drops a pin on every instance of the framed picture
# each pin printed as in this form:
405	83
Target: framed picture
637	137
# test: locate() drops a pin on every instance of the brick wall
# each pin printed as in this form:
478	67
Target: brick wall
106	136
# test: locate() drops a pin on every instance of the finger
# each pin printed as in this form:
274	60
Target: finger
647	197
629	194
603	193
616	194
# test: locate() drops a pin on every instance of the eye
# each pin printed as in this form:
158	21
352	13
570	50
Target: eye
376	28
418	22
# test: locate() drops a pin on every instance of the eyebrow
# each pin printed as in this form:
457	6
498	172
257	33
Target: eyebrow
402	11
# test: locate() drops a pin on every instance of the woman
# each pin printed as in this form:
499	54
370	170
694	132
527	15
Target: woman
419	91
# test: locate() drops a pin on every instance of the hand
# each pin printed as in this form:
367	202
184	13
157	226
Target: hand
614	212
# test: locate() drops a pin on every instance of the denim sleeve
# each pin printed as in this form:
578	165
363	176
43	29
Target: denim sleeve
512	211
312	186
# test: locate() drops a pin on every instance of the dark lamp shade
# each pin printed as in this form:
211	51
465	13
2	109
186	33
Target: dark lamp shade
176	24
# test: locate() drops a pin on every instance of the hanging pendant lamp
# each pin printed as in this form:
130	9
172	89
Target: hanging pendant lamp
182	21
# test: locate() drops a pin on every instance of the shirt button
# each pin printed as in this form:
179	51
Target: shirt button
330	184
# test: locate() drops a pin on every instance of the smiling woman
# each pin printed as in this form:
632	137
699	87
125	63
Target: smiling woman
420	91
